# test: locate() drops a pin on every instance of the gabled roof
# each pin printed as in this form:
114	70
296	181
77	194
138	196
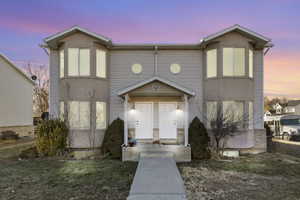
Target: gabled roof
74	29
239	28
16	68
156	78
293	102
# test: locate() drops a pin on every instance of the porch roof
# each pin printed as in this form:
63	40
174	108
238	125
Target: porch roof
153	79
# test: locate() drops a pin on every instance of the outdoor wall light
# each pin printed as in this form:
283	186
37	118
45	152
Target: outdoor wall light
133	106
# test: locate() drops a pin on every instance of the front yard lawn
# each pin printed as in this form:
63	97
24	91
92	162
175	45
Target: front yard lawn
68	180
264	176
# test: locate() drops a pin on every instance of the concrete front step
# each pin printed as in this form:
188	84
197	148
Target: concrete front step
181	153
157	177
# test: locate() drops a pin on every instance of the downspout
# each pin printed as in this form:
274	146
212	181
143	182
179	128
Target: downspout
155	60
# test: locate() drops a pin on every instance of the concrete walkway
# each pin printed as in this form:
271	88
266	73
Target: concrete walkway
157	177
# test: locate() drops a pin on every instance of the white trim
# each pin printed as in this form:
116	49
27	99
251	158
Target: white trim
155	78
186	121
126	120
152	117
159	122
76	28
16	68
232	28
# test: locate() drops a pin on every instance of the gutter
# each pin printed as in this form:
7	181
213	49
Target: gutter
44	47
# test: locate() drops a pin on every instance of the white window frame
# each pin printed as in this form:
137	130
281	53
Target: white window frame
234	58
79	126
104	125
62	110
209	114
79	73
211	67
101	71
251	115
62	63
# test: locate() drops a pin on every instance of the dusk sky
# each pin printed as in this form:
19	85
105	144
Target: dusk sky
25	23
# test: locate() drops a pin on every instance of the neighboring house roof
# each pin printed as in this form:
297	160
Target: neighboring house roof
293	102
156	78
204	41
239	28
75	29
19	71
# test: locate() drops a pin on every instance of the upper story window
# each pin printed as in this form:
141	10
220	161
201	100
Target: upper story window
251	63
211	63
233	62
78	62
61	63
101	63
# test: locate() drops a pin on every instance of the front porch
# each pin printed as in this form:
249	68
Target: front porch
156	119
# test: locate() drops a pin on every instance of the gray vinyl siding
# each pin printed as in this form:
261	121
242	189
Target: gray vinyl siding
189	77
121	75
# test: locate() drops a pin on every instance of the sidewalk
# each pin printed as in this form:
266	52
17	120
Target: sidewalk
157	177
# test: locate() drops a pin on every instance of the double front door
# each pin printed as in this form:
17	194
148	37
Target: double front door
167	120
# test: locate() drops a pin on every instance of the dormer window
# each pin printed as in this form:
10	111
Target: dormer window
78	62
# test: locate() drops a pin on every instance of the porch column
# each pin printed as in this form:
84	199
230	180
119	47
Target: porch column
186	120
125	120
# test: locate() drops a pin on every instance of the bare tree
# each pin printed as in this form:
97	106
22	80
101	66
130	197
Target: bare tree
226	123
41	88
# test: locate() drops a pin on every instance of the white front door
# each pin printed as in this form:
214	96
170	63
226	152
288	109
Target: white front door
144	121
167	120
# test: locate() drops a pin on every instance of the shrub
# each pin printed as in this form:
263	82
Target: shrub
199	140
9	135
113	139
51	137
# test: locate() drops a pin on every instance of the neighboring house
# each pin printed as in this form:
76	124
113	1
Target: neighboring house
16	99
277	108
293	107
156	88
267	114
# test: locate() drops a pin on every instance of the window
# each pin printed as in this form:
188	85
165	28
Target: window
101	63
211	112
61	63
175	68
233	61
136	68
100	115
211	63
233	110
250	115
250	63
61	110
79	116
79	62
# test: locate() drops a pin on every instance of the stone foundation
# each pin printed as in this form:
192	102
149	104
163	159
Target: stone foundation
20	130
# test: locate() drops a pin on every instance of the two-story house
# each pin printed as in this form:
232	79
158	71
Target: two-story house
293	107
157	89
